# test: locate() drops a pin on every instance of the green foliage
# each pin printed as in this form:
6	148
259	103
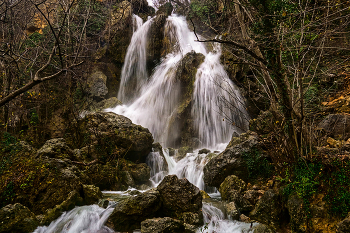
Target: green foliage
34	118
338	195
204	10
258	165
308	179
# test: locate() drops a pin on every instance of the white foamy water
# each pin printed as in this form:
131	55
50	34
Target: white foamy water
85	219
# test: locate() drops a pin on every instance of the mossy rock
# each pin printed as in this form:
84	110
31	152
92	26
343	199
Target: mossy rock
130	212
113	136
17	218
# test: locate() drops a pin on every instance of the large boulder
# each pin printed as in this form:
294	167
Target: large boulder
113	136
162	225
130	212
181	200
269	210
231	161
336	126
17	218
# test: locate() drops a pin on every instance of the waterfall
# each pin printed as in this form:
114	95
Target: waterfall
152	101
158	97
216	98
134	73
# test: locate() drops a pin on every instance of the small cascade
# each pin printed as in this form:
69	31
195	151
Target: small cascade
134	73
215	221
85	219
216	98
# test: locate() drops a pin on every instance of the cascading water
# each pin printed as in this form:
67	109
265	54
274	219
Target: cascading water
152	101
134	74
159	99
85	219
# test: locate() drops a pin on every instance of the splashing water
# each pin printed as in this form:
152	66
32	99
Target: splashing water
215	221
85	219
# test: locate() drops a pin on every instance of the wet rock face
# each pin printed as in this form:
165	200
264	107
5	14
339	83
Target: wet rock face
113	136
269	210
179	196
140	172
232	190
17	218
181	121
230	161
129	213
336	126
162	225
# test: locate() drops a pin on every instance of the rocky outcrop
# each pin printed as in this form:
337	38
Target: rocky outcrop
298	218
96	84
162	225
336	126
17	218
231	161
178	197
232	190
112	136
56	148
118	36
130	212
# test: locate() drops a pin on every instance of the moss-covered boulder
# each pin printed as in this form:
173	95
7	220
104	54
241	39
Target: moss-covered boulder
181	153
113	136
162	225
91	194
130	212
179	198
17	218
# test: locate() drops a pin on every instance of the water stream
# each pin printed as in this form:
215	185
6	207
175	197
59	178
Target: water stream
151	101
